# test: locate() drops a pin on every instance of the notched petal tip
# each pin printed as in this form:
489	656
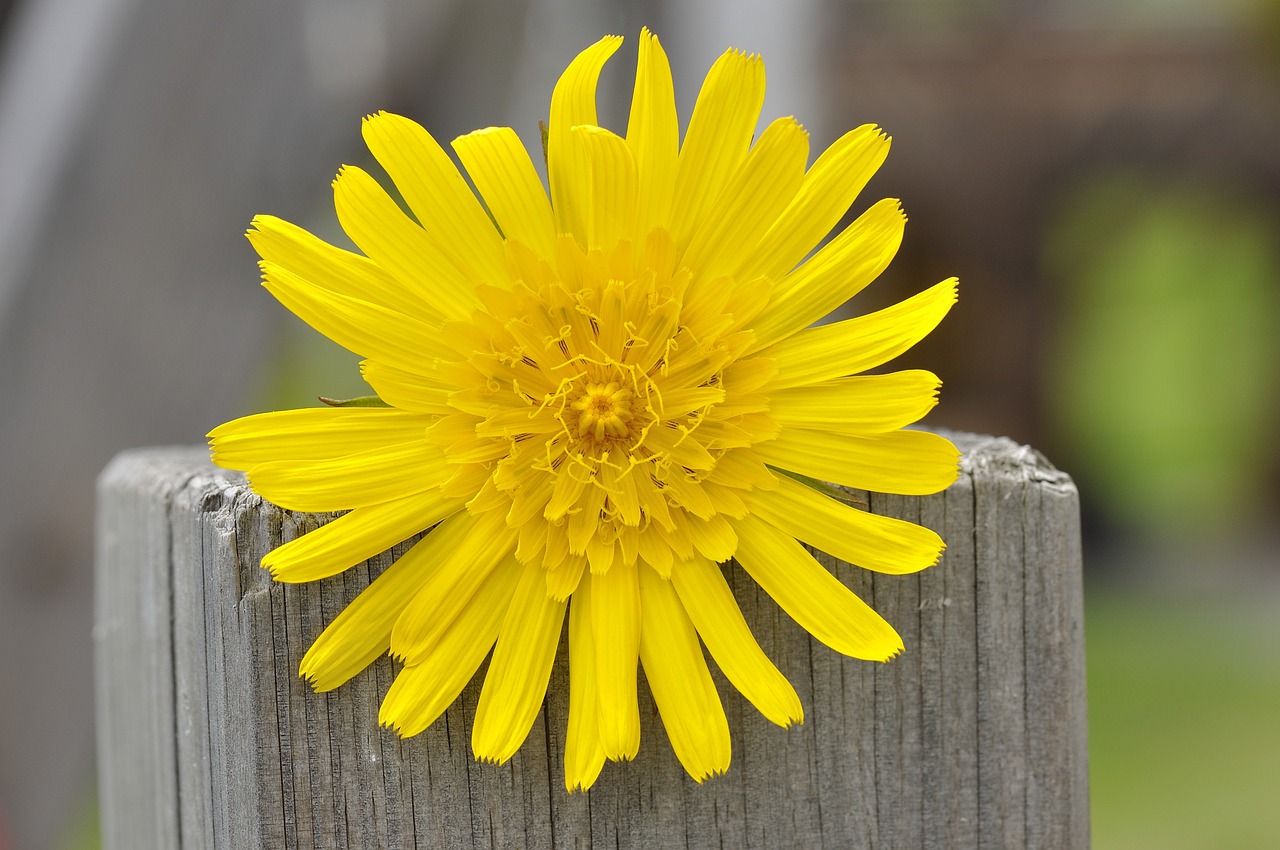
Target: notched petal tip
578	787
394	725
888	658
312	678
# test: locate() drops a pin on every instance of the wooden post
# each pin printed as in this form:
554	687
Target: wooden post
975	737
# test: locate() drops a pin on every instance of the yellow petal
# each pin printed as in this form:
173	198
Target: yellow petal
331	268
600	553
426	618
583	754
726	501
742	469
910	463
720	131
681	448
615	631
865	342
813	597
311	433
395	242
565	493
688	495
438	195
653	134
415	391
357	536
564	578
828	190
710	605
655	552
357	480
518	673
621	487
835	274
573	102
583	524
879	543
500	167
751	202
362	631
421	692
358	326
713	537
610	210
863	404
686	697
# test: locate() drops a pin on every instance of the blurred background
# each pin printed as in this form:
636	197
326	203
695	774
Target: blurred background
1103	176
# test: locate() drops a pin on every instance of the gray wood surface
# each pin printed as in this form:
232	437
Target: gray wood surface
975	737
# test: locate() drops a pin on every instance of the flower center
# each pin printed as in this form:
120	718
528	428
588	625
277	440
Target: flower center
604	412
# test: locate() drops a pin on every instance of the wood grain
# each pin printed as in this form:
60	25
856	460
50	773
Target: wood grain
975	737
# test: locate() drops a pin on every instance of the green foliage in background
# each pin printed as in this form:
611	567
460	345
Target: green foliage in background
1163	379
306	366
1184	747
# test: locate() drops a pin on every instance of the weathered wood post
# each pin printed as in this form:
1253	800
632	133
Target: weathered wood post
207	737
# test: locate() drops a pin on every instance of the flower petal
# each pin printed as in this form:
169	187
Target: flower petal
357	480
759	190
311	433
909	463
829	188
583	753
682	689
879	543
426	619
380	229
615	631
715	613
516	682
653	132
865	342
713	537
719	134
573	102
500	167
358	326
813	597
412	391
863	404
436	192
422	691
362	631
357	536
840	270
611	208
328	267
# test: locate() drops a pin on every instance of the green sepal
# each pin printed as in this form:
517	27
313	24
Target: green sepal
840	495
359	401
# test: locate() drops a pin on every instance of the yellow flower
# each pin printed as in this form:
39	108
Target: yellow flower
594	398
